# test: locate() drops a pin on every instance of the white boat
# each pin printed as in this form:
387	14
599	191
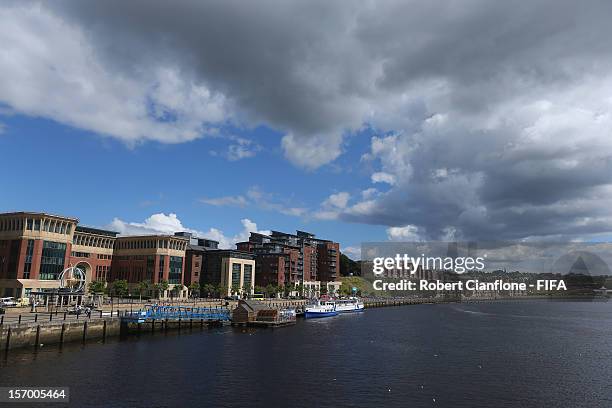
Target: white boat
331	307
320	308
349	305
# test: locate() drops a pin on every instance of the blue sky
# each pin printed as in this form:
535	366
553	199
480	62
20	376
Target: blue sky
404	122
64	170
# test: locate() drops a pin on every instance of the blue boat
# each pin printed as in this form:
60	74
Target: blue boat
321	308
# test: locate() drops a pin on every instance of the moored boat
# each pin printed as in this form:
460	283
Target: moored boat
349	305
332	307
321	308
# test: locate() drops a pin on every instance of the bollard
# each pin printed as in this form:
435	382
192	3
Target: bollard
50	316
104	331
84	331
153	326
64	315
37	342
19	322
1	320
35	317
101	314
8	338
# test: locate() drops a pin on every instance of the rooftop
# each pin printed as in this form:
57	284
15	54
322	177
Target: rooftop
37	214
97	231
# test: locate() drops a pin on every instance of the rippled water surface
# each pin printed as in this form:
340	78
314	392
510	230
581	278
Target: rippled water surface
526	354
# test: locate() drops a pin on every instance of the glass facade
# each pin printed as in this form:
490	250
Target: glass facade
162	261
235	274
27	267
150	267
176	270
248	275
52	260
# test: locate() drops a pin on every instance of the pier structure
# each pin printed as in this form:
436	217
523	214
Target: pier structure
176	313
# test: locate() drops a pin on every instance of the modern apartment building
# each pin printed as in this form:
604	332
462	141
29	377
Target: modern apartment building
36	247
195	256
231	270
294	259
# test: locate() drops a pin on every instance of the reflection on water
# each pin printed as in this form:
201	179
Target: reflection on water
524	353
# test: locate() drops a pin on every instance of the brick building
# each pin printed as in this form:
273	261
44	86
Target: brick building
92	251
34	249
151	258
195	256
295	259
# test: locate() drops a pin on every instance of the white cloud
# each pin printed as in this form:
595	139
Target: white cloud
226	242
369	193
312	151
50	69
156	224
238	201
382	177
332	206
238	148
337	200
353	252
261	199
405	233
162	223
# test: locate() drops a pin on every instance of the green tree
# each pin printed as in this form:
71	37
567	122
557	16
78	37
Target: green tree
246	290
346	288
235	289
194	289
271	290
300	289
143	287
349	267
161	287
260	289
208	289
177	289
96	287
120	287
222	290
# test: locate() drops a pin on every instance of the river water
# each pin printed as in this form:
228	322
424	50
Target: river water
523	353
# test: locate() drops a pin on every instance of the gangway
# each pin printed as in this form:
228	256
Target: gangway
162	312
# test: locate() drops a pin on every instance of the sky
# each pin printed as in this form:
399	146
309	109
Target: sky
362	121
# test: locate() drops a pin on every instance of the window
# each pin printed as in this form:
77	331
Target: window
162	260
176	270
27	267
248	269
52	260
235	274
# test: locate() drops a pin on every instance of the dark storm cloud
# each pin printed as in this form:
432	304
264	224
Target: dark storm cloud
500	110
